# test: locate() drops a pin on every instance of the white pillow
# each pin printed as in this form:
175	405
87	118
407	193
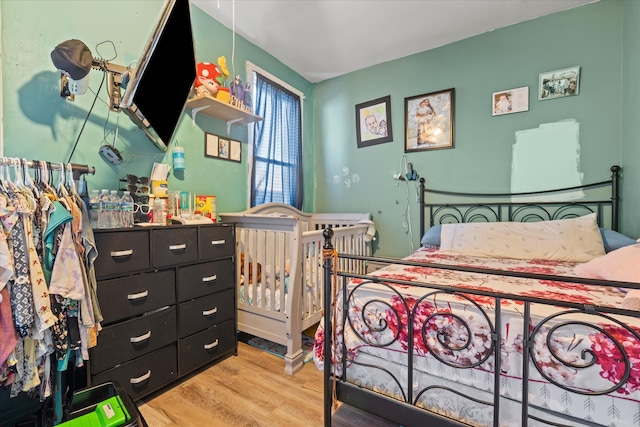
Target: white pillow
621	265
576	239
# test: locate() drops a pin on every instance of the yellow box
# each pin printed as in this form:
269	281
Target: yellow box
159	188
207	206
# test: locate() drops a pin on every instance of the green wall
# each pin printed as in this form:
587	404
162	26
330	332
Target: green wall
602	38
590	37
39	124
630	118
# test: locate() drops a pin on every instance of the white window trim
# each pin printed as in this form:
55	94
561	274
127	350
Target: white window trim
253	68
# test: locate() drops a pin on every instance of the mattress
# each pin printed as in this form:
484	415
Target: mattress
459	358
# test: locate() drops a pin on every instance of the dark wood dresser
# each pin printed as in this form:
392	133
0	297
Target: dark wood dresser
167	295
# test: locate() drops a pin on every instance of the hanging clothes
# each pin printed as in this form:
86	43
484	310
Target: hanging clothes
48	301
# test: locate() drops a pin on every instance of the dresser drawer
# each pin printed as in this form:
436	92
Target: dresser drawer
175	246
207	345
133	295
202	279
145	374
133	338
122	252
204	312
216	242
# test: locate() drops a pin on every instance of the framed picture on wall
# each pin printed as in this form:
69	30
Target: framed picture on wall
510	101
373	122
429	121
559	83
222	148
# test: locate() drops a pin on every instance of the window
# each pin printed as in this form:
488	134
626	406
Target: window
276	159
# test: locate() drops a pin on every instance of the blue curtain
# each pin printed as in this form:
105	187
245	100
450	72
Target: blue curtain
277	145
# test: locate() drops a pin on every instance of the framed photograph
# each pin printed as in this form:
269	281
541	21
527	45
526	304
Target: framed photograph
559	83
510	101
235	151
373	122
211	145
222	148
429	121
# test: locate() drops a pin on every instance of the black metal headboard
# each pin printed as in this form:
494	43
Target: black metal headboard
504	208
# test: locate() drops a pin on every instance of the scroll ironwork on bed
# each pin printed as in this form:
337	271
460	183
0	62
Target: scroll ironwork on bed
575	361
521	211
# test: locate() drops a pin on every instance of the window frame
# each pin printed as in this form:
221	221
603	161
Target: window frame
250	77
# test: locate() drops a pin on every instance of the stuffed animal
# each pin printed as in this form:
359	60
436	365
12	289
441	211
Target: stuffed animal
210	79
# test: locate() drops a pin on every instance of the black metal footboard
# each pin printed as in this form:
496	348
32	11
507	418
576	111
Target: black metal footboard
471	342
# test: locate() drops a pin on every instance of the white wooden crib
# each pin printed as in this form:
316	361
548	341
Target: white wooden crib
279	269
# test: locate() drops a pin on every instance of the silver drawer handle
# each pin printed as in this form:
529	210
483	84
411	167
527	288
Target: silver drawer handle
127	252
210	278
210	312
176	247
218	242
138	295
210	346
141	337
140	379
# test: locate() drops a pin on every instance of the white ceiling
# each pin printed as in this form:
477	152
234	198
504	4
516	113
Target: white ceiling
321	39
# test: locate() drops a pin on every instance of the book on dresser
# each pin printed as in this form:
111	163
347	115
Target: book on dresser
167	295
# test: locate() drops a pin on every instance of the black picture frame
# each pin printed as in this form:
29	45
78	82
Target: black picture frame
218	147
373	122
429	121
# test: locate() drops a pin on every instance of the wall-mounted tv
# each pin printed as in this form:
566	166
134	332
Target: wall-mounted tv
159	87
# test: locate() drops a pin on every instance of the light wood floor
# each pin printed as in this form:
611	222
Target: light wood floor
249	390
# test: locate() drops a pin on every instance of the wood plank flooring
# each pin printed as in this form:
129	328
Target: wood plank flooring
250	389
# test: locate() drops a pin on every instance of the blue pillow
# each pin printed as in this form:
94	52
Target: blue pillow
613	240
431	238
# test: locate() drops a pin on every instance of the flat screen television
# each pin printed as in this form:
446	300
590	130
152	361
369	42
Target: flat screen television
159	86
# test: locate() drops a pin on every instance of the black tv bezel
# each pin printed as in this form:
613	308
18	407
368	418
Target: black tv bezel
148	112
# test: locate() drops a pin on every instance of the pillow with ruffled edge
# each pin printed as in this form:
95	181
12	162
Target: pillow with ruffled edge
613	240
622	265
431	238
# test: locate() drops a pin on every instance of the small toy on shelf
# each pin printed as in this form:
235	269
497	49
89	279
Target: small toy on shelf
210	79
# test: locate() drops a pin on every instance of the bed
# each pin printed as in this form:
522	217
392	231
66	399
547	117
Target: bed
491	324
279	269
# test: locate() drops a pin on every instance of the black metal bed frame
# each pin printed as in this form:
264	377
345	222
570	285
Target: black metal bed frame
498	211
407	412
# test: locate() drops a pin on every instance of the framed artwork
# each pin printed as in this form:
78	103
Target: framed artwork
429	121
222	148
510	101
373	122
559	83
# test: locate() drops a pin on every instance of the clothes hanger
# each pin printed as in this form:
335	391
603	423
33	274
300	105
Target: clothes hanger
3	166
17	174
71	184
62	191
28	182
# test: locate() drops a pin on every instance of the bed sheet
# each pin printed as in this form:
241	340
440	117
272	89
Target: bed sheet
376	334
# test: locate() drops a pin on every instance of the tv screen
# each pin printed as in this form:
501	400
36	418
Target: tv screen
160	85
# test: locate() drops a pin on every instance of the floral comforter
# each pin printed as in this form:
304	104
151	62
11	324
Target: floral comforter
583	366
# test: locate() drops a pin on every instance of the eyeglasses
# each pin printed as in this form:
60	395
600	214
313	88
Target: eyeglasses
141	204
143	208
138	189
133	179
136	185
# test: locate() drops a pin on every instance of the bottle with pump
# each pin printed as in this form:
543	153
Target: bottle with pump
116	216
126	209
104	215
94	208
